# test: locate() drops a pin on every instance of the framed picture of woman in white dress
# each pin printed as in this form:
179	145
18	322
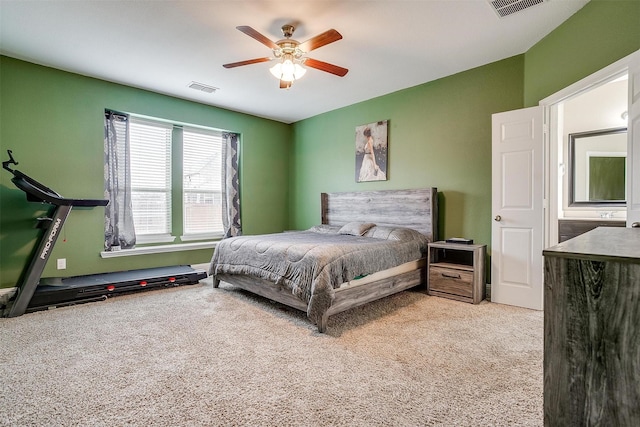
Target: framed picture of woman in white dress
371	151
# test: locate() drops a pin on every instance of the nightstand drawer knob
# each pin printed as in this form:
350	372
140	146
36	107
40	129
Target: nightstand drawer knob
451	276
498	218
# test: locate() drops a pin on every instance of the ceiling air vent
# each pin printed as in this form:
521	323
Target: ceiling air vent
508	7
202	87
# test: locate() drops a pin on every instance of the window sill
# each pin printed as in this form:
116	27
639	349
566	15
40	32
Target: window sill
146	250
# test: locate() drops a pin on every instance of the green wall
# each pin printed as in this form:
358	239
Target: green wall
599	34
53	122
439	135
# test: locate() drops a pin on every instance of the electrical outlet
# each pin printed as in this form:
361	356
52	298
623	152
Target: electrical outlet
62	263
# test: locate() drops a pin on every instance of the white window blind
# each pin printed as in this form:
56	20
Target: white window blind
202	196
150	145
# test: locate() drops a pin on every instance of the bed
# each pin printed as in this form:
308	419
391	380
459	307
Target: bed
369	245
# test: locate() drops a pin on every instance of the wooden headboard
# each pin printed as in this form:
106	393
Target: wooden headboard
417	209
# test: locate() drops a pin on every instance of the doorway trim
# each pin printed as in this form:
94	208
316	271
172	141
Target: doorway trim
553	120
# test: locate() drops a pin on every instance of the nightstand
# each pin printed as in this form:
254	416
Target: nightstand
456	271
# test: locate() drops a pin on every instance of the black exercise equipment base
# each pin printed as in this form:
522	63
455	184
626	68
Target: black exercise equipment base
52	293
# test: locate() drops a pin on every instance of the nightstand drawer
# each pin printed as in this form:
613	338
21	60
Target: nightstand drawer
451	281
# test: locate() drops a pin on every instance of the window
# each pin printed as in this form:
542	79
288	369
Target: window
202	190
175	181
150	151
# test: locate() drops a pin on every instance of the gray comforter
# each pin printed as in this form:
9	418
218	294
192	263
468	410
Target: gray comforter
313	263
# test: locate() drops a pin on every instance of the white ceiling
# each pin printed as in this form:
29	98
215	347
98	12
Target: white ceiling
165	45
597	109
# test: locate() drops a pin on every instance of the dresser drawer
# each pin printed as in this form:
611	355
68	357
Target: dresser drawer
451	281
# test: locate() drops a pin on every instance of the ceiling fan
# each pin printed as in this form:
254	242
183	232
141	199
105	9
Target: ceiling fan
291	54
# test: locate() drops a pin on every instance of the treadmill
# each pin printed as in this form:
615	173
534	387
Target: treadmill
32	295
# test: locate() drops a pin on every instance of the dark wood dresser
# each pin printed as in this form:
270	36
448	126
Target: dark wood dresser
592	329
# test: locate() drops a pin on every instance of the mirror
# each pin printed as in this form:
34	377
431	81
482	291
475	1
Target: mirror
597	168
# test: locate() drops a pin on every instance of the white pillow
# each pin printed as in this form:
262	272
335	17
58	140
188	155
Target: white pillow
356	228
325	229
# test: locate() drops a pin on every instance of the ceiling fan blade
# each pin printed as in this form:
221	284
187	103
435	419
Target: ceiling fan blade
325	66
247	62
285	84
320	40
256	35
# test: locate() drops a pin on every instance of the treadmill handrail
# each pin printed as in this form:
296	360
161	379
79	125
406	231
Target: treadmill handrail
36	192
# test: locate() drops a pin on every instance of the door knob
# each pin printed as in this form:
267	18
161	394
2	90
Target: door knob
498	218
635	225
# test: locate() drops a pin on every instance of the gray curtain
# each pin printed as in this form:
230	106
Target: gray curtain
230	186
119	232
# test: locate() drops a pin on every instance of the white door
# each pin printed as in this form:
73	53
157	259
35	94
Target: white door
633	145
517	208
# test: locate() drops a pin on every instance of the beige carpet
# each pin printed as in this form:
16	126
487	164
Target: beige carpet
198	356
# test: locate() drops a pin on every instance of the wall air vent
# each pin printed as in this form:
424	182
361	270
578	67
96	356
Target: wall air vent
508	7
202	87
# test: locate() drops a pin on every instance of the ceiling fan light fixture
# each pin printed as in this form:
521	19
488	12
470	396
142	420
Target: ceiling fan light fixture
287	70
290	54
